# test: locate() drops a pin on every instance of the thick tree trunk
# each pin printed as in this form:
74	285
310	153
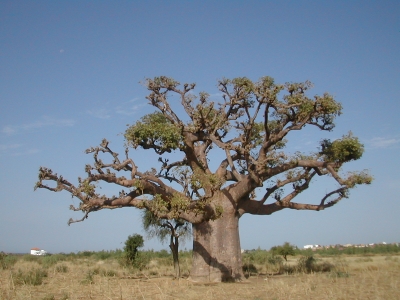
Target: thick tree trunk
216	249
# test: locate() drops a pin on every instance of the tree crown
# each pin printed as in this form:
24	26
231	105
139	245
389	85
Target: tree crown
249	127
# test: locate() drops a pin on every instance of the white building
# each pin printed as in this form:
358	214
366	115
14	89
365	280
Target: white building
312	246
37	251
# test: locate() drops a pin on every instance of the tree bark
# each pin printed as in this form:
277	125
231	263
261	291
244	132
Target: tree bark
216	249
174	246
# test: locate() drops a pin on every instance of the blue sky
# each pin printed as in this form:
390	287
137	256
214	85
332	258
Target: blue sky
70	73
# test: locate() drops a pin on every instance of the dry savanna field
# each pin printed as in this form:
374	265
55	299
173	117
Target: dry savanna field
337	277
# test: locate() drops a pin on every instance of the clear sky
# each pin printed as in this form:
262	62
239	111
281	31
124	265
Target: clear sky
70	73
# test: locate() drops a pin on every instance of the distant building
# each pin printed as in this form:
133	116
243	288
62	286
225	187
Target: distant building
312	246
37	251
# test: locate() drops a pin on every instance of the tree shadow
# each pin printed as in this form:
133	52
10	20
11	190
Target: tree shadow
227	274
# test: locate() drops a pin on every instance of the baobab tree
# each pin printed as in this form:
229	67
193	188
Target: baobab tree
229	151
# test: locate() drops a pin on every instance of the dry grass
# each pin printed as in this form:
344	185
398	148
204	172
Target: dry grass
373	277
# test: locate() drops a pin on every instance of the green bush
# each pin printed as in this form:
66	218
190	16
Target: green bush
103	255
7	261
309	264
85	253
274	260
258	256
131	246
32	258
306	264
51	260
249	269
132	256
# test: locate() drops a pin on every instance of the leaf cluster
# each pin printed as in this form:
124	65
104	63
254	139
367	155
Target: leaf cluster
342	150
154	131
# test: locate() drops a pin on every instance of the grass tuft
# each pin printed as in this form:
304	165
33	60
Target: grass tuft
30	277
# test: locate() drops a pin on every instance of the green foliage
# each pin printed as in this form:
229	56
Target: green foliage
131	246
33	258
51	260
142	260
179	203
309	264
249	269
274	260
86	253
342	150
256	256
103	255
163	229
355	178
284	250
153	226
159	204
7	261
336	251
132	256
154	131
88	188
306	264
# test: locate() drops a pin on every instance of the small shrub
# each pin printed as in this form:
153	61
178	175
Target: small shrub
85	253
32	258
61	269
103	255
391	258
49	297
324	267
274	260
141	261
308	264
32	277
132	256
305	264
365	259
287	269
7	261
51	260
249	268
108	273
89	278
